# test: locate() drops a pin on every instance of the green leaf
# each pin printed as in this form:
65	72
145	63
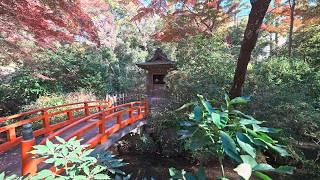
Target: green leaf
62	141
265	137
206	104
2	175
263	167
86	170
43	174
173	172
281	169
240	100
244	143
245	122
216	119
249	160
50	145
262	176
244	170
176	174
285	169
39	149
265	129
49	160
186	106
229	146
283	152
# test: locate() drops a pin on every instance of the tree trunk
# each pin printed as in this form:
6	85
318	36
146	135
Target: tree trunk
257	13
292	9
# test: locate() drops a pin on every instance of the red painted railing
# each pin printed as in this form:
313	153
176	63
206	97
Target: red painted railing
44	118
134	111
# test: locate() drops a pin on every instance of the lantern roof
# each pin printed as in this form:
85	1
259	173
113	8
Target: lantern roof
159	60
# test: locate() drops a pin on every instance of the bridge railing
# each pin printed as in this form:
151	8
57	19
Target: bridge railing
134	111
43	117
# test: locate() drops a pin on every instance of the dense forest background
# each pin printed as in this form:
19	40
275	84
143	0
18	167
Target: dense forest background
53	52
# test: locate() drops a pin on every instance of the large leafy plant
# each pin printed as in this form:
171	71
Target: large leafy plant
76	161
228	131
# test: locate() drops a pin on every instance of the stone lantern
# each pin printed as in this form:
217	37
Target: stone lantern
157	69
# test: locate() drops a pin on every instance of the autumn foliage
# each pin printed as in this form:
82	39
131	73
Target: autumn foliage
46	21
182	18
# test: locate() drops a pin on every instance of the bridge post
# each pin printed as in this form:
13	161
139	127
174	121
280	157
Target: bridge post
131	113
28	164
146	106
70	116
86	109
119	119
46	123
102	128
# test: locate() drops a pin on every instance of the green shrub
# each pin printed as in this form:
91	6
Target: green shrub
307	44
204	66
223	130
286	94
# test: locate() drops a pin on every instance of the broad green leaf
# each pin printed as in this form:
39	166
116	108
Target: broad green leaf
216	119
2	175
244	143
249	160
266	138
245	122
49	160
244	170
229	146
173	172
43	174
39	149
186	106
285	169
206	104
265	129
60	139
242	115
224	118
259	142
263	167
262	176
283	152
267	167
50	145
86	170
240	100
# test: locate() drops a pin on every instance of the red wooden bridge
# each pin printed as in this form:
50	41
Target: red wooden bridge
99	123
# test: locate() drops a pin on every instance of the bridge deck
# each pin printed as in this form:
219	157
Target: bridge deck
11	160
